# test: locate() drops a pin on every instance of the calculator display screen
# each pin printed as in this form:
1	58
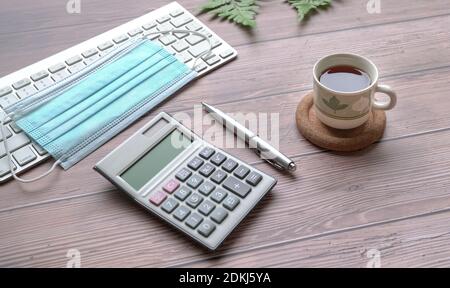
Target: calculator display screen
144	169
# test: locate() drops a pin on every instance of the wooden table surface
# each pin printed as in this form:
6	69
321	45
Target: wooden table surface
393	196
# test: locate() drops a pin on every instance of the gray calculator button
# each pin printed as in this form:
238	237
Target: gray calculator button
206	153
183	174
182	193
218	195
231	202
195	163
206	207
219	176
218	159
229	165
237	187
241	172
194	220
253	179
206	188
195	181
207	169
169	205
206	228
181	213
194	200
218	215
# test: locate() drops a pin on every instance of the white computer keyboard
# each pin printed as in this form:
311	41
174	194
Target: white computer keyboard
42	74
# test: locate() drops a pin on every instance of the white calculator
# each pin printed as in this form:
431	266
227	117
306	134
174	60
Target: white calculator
196	187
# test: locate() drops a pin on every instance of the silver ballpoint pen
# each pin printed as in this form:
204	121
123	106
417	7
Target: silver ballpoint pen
261	147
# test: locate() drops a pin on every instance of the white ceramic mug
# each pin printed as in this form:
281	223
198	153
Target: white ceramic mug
347	110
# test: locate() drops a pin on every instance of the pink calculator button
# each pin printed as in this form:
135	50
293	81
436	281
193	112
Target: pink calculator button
158	197
171	186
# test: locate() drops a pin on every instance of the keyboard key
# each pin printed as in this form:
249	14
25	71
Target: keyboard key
207	169
60	75
150	25
15	142
24	155
200	67
73	60
215	42
76	67
218	195
39	75
120	39
194	200
181	213
206	207
7	133
195	163
213	60
176	13
26	91
5	90
194	40
241	172
193	26
225	54
180	21
180	46
171	186
21	83
219	176
229	165
231	202
183	174
219	214
43	83
194	220
39	149
56	68
180	35
89	53
237	187
253	179
218	159
163	19
184	57
182	193
135	32
169	205
194	181
205	32
165	27
206	228
167	39
157	198
206	188
8	100
4	166
105	46
206	153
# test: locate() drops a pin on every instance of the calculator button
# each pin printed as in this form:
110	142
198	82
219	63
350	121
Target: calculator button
171	186
194	220
194	200
218	215
237	187
218	159
182	193
183	174
181	213
253	179
195	163
231	202
219	176
207	169
218	195
194	181
206	207
206	188
169	205
229	165
158	198
206	153
241	172
206	228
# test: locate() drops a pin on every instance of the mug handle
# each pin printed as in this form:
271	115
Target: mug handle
385	105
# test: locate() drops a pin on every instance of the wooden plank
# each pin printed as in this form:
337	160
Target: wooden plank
329	192
412	243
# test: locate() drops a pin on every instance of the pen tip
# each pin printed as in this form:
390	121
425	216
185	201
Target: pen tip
292	166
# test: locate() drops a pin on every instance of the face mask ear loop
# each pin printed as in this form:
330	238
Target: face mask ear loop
204	53
10	162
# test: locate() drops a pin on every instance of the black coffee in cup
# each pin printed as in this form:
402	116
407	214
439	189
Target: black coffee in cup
345	79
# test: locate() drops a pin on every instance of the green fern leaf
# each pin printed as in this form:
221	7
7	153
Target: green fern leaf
242	12
304	7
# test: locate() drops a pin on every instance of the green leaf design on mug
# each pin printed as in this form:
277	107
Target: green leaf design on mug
334	104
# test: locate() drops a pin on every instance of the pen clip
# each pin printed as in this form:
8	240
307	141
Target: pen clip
272	162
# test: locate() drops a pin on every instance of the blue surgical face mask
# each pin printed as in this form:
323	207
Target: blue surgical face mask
74	117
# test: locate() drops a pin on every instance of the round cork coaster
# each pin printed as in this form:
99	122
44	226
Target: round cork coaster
336	139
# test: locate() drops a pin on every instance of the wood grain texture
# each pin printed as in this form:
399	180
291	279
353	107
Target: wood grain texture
355	201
